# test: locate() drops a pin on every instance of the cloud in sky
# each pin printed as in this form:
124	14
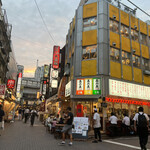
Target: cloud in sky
29	36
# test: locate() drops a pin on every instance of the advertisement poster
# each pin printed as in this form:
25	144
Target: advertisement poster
80	125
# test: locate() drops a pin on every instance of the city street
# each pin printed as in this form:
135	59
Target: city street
20	136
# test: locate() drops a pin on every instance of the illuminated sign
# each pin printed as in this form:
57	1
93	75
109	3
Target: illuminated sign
54	73
124	89
88	90
68	89
54	84
19	85
56	56
10	84
88	86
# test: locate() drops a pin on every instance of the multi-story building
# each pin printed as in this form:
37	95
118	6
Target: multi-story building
5	44
108	55
39	73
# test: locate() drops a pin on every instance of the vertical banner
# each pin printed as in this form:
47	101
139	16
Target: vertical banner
80	87
19	85
2	90
56	57
88	90
46	71
96	86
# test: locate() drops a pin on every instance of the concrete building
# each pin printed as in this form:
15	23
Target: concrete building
5	44
108	57
39	73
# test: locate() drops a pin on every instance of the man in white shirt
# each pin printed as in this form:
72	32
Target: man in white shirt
26	112
113	127
141	125
96	125
126	124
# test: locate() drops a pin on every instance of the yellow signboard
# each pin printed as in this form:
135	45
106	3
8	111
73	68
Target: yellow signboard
88	87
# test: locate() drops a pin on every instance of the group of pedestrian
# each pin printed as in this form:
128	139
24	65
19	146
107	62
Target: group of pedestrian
141	126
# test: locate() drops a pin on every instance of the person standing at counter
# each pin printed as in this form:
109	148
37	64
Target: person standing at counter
141	125
113	124
126	124
96	125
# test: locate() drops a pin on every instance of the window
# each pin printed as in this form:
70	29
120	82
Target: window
125	31
146	63
90	24
136	61
89	52
126	58
114	54
134	35
143	39
114	26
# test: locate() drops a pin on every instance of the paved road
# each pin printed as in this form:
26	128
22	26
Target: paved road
20	136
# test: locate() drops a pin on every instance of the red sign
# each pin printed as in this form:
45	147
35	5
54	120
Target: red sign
10	84
20	75
56	56
2	89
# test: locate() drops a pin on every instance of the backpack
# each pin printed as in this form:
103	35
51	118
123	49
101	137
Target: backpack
142	122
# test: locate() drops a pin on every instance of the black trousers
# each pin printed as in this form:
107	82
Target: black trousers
113	130
97	133
143	136
32	120
26	117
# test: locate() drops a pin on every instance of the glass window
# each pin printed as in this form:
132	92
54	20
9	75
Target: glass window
114	54
114	26
136	61
125	31
89	52
126	58
143	39
135	35
90	24
146	63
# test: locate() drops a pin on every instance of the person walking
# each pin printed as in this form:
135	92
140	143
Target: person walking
68	127
19	114
2	114
26	112
141	125
126	124
33	114
97	125
113	124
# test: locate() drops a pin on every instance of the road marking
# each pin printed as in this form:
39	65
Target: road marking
126	145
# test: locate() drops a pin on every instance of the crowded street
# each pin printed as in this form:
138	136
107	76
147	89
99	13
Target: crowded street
20	136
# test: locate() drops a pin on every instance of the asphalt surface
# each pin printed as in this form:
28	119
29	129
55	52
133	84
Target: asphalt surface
20	136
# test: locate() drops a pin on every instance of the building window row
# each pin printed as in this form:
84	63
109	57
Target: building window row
89	52
114	27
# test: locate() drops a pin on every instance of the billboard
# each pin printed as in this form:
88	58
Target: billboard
56	57
46	71
10	84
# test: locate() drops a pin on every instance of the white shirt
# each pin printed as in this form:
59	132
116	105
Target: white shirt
96	118
27	111
126	121
113	119
137	115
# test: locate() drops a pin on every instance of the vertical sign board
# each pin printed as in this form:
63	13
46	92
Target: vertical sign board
46	71
2	90
88	90
68	89
56	57
19	85
96	86
80	87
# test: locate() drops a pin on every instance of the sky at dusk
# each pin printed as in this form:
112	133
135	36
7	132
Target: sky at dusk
30	39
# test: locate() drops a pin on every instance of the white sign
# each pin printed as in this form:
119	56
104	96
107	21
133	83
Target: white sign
44	89
124	89
54	83
80	85
80	125
88	84
68	89
55	74
96	84
19	86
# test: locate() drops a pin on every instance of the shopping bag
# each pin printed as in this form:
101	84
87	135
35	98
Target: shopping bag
3	125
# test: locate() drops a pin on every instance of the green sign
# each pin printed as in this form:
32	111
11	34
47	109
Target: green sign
96	86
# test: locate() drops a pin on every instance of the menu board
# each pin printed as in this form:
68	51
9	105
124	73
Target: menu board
80	125
125	89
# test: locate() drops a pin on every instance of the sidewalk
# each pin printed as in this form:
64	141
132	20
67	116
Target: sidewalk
20	136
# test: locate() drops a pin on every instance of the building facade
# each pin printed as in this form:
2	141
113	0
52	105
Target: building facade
5	44
108	57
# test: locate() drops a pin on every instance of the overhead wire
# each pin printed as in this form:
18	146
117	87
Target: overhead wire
44	22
